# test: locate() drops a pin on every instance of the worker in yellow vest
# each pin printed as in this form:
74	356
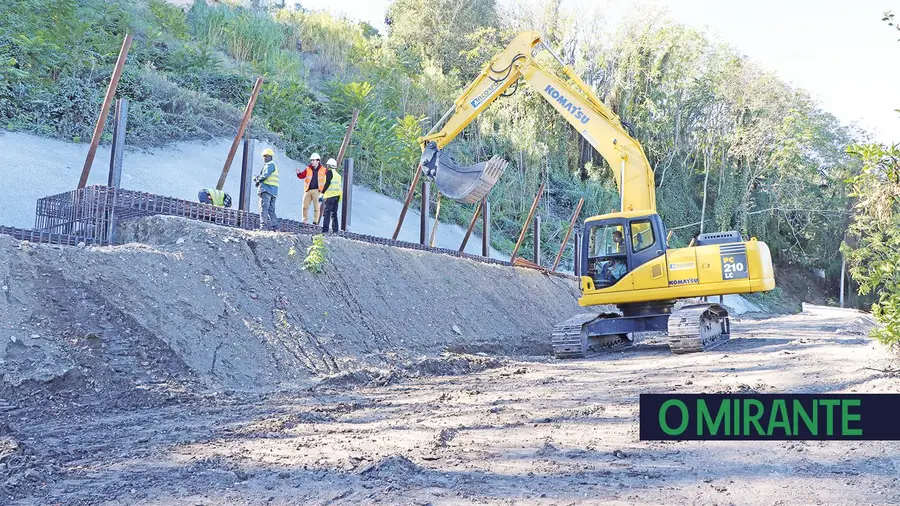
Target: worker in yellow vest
332	196
214	197
267	182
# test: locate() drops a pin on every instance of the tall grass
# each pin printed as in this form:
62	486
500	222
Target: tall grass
247	36
337	43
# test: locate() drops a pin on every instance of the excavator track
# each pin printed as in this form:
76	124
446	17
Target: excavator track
698	327
570	338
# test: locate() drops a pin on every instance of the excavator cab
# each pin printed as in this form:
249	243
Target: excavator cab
620	243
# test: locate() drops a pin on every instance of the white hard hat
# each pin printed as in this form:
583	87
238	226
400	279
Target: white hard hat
331	162
315	156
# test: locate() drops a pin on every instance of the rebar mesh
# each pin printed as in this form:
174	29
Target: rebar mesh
23	234
89	215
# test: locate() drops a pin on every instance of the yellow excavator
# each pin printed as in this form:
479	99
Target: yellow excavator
625	258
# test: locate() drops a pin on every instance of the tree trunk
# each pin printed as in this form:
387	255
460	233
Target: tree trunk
843	275
705	184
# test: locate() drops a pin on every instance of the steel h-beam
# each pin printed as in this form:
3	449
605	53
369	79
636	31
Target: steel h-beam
120	120
246	171
486	229
537	240
576	253
424	211
347	194
104	111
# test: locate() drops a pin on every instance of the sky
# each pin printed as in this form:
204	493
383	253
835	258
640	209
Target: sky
838	50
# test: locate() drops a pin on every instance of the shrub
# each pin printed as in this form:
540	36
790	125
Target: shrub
316	255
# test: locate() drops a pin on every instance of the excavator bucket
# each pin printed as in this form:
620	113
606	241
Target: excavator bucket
463	184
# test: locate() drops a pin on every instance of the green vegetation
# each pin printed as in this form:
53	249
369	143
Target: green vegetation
873	244
733	146
316	255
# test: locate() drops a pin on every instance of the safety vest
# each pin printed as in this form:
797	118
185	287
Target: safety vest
272	180
308	178
334	188
218	196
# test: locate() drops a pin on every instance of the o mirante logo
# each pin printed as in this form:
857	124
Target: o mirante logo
769	416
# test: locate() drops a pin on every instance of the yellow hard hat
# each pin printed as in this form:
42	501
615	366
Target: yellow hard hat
268	151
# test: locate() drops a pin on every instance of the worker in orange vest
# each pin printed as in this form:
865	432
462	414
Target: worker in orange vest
315	181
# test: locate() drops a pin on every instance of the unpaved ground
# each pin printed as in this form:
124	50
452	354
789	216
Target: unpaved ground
534	430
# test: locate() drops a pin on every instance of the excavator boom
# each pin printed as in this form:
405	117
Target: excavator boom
573	99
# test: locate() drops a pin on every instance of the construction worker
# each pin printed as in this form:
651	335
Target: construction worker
619	241
617	269
314	183
332	195
214	197
267	182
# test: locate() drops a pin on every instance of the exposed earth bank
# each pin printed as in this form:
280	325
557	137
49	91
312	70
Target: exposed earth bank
205	306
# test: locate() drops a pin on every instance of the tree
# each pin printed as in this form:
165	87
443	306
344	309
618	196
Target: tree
440	33
874	259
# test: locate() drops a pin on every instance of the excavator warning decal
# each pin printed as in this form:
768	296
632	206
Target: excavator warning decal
734	261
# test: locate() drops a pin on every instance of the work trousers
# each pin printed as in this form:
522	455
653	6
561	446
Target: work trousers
331	214
267	218
311	197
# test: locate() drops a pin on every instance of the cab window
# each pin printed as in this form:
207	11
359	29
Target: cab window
607	240
641	235
607	258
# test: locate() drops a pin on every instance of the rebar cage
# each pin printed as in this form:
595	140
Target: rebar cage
89	215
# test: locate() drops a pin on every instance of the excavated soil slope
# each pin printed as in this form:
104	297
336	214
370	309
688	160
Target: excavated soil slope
184	304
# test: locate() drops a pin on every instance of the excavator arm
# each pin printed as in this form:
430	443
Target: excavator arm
574	100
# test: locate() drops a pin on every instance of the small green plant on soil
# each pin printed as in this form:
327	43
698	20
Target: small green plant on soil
316	255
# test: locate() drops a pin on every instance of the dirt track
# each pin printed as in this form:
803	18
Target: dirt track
533	430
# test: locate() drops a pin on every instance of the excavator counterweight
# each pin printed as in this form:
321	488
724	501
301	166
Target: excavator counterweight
464	184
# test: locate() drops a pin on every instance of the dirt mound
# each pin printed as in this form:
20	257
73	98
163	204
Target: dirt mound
863	325
184	304
393	468
448	364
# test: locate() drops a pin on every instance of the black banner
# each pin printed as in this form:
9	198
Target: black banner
777	417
